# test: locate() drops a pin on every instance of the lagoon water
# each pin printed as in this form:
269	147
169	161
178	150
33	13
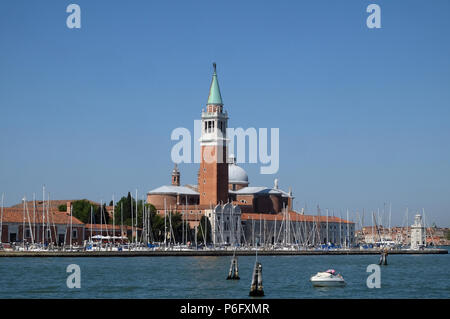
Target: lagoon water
406	276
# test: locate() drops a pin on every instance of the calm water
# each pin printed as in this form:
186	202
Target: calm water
406	276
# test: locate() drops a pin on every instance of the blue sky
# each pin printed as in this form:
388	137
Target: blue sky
363	113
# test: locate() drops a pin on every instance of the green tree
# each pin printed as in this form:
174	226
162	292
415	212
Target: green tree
174	219
81	209
128	204
157	223
204	229
177	226
62	208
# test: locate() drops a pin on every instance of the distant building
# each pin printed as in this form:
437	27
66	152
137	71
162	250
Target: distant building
33	225
417	233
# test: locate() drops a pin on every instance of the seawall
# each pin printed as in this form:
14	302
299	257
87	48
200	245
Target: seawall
199	253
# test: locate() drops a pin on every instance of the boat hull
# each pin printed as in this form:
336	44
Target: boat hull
327	280
327	283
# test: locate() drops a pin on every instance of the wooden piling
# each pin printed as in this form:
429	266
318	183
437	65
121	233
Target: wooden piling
233	274
383	258
256	288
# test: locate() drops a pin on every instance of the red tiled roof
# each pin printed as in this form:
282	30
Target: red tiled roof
293	216
54	204
16	215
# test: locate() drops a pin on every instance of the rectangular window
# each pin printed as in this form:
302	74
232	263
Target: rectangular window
74	233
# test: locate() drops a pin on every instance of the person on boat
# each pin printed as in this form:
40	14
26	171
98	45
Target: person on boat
331	271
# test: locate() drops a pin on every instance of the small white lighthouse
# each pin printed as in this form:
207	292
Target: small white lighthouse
417	233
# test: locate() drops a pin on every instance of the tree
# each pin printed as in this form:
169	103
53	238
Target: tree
177	226
204	230
62	208
81	209
157	223
129	205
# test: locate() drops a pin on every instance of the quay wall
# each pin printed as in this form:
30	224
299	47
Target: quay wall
200	253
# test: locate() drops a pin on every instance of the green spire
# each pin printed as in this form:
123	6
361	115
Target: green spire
214	91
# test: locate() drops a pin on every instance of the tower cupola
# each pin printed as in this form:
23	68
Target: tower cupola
175	176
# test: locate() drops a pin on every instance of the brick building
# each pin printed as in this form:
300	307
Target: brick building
31	224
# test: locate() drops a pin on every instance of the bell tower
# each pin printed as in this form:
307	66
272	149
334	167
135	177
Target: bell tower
213	172
175	176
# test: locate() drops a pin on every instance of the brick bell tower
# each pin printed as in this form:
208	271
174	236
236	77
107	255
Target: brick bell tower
213	172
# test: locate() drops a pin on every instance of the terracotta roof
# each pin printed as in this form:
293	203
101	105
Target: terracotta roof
15	215
293	216
53	203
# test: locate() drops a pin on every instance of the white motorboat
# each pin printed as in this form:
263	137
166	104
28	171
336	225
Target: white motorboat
328	278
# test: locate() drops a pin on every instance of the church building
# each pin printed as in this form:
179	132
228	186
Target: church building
223	192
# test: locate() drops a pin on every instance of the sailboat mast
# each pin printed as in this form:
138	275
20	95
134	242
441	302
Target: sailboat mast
101	223
43	215
206	230
1	220
182	226
92	224
348	231
114	219
34	217
260	219
327	229
275	231
71	213
23	226
253	232
29	226
264	234
390	215
121	220
165	225
185	221
144	222
49	226
136	221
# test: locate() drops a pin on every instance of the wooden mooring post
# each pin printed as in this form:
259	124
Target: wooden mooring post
256	289
233	274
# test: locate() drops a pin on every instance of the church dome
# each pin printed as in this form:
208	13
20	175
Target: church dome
236	174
